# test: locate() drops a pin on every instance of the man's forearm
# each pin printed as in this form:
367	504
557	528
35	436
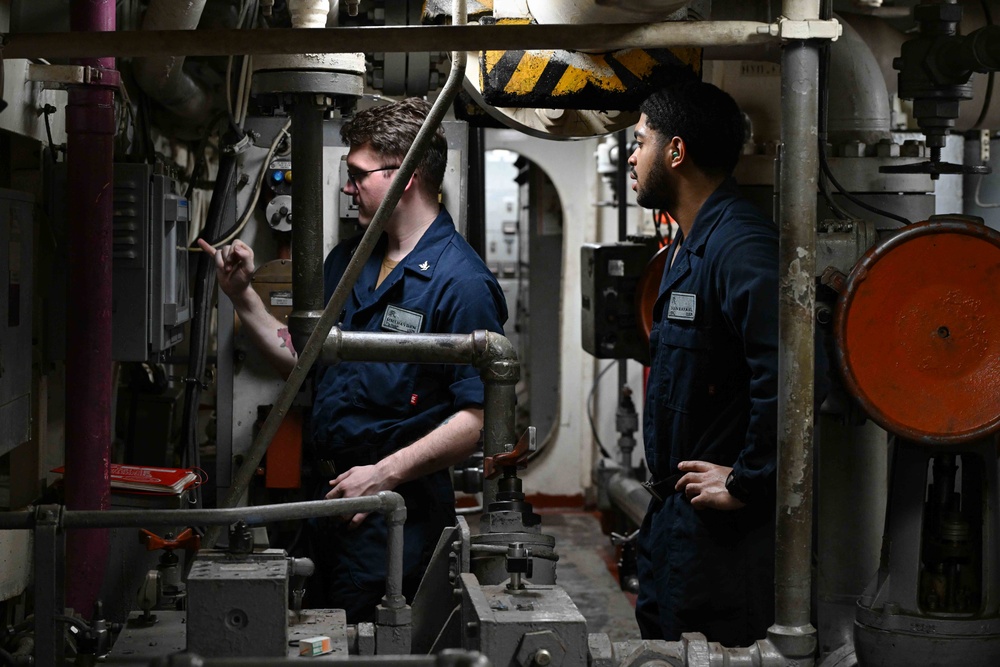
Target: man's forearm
266	332
450	443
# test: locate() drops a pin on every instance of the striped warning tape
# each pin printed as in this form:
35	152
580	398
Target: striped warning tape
573	79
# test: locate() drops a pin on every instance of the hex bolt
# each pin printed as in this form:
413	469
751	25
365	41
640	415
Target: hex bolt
912	148
853	148
886	148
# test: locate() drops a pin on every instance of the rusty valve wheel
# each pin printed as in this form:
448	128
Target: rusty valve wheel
918	331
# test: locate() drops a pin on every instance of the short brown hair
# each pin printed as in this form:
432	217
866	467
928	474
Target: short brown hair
390	130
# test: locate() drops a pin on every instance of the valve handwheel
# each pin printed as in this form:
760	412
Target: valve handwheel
918	331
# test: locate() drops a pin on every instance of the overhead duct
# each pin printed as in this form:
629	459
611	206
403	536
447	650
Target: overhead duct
163	77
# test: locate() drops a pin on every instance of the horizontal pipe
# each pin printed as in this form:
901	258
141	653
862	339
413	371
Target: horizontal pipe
393	39
491	353
452	658
387	501
628	495
395	347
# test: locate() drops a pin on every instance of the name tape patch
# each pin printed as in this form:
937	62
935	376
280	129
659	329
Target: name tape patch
682	306
402	320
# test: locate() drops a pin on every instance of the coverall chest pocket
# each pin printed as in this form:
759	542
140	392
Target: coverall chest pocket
684	364
384	388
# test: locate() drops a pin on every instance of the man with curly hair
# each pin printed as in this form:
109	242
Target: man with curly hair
706	547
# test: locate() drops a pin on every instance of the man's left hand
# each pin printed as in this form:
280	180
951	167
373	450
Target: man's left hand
704	484
356	482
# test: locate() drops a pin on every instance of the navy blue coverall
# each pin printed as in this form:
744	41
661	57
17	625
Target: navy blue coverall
712	396
365	411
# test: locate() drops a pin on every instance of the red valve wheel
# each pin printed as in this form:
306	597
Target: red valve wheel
918	331
647	290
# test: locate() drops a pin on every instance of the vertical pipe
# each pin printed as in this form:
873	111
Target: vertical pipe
498	423
792	632
331	312
307	226
621	197
90	128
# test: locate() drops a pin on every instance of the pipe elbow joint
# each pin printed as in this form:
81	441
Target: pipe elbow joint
330	351
496	358
393	507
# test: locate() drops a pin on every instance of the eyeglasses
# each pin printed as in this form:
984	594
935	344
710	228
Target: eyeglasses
355	176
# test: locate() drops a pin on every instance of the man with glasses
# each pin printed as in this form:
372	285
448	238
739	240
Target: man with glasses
382	426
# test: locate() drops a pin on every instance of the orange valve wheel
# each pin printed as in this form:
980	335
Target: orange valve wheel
647	290
918	331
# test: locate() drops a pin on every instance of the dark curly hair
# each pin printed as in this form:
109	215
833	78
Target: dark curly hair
706	118
390	130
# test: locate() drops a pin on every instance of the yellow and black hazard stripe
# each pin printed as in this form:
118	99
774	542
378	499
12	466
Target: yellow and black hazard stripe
617	80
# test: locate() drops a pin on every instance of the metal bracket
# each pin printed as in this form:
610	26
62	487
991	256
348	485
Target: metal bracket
789	29
60	76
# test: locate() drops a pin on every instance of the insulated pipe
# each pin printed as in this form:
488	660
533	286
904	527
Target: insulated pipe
489	352
330	315
90	130
307	227
863	114
309	13
602	11
162	76
792	633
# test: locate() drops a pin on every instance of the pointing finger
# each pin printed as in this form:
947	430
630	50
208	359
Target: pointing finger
207	247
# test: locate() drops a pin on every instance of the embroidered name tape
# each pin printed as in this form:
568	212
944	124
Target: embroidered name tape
682	306
402	320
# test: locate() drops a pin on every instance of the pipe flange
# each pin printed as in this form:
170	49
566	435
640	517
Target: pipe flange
351	63
310	73
316	82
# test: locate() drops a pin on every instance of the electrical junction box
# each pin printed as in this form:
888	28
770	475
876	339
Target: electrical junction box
16	232
610	276
150	297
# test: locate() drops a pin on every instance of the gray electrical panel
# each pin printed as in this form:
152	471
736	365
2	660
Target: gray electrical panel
610	277
15	318
150	298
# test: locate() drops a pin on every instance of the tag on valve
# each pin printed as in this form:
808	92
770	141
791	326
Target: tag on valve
516	457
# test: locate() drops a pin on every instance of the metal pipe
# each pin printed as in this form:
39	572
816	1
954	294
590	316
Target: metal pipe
621	192
628	495
395	517
387	502
313	347
490	352
50	521
410	348
162	75
447	658
393	39
90	130
307	227
792	634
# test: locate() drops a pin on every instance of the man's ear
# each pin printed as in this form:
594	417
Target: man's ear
676	151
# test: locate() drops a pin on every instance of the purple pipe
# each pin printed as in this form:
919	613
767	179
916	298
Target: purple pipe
90	129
